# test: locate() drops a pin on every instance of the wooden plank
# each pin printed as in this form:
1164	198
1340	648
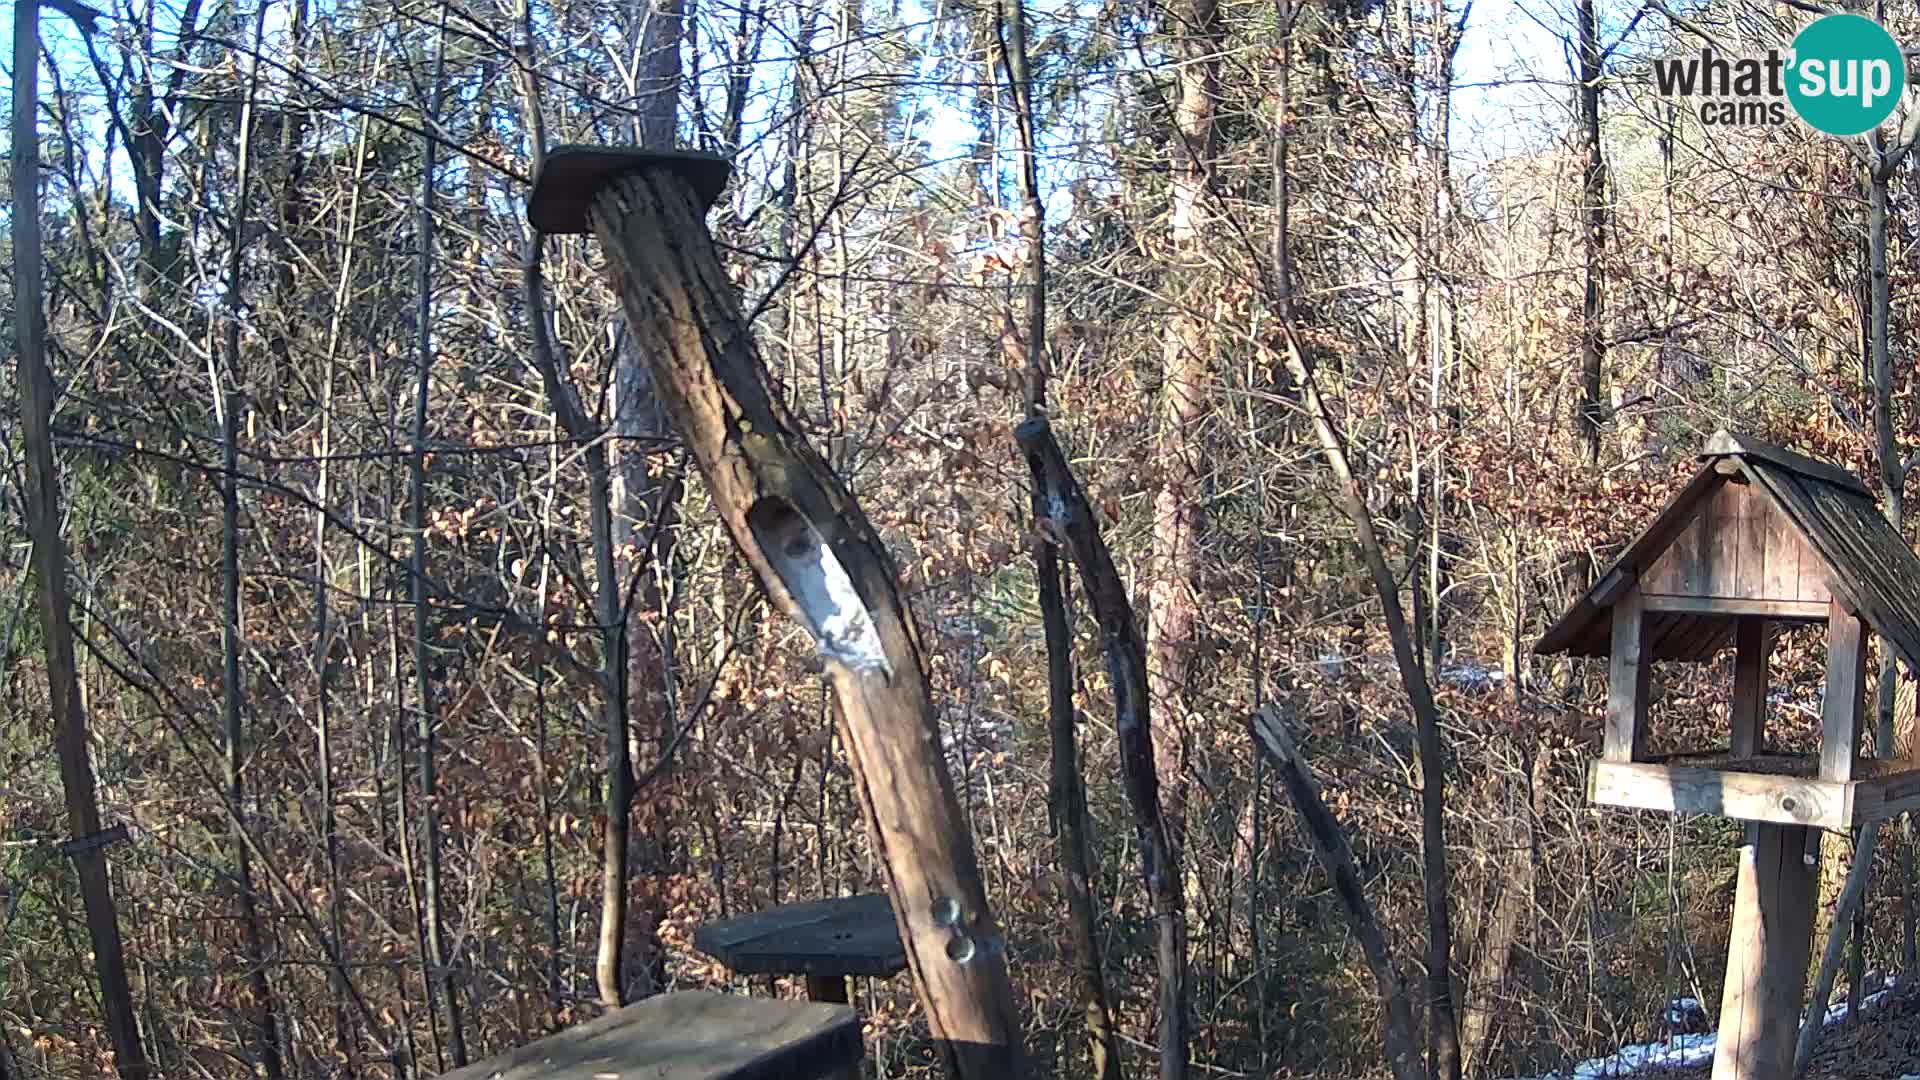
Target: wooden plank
1752	642
1713	635
1780	574
1617	579
1689	554
1842	705
1745	796
1751	539
1720	543
1767	954
1628	677
1885	797
1803	610
852	935
1725	442
689	1036
1665	637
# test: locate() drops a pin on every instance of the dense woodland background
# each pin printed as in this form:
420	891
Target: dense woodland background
335	580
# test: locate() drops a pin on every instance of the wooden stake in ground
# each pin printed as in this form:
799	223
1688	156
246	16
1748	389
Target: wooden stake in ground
816	555
42	497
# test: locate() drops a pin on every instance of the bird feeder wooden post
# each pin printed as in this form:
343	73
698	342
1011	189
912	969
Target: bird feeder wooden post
1760	537
816	556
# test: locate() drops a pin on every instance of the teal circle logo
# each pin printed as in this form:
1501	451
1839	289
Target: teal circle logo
1848	74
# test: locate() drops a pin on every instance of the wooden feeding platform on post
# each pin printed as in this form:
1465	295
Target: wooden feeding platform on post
1761	537
826	941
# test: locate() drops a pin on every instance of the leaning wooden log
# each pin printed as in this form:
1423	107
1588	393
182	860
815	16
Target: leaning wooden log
1270	736
1067	798
1851	894
1069	519
817	557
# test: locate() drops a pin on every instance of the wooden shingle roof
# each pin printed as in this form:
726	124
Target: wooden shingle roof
1868	566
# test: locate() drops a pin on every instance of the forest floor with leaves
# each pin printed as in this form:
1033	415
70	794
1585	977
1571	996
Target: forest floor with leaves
1883	1045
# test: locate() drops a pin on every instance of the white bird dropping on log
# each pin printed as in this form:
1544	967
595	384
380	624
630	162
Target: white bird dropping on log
843	631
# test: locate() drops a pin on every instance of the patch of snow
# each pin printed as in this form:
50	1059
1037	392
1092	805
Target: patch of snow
1478	678
1682	1050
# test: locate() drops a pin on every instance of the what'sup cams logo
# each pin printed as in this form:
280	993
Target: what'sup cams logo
1843	76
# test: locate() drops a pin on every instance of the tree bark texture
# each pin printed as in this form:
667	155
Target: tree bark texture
1593	207
1185	371
1071	518
1068	800
823	565
42	499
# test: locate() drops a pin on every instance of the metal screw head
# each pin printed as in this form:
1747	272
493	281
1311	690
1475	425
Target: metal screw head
946	912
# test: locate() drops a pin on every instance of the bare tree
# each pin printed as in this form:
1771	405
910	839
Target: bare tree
440	963
42	499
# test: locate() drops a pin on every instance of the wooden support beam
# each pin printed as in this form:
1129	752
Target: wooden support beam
1747	796
1751	643
820	562
832	989
1610	586
1767	955
1802	610
1845	698
1628	673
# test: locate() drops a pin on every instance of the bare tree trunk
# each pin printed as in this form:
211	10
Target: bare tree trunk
1443	1038
1067	797
49	557
323	628
1270	736
234	692
1070	520
609	976
1185	371
1487	992
1593	209
640	514
423	666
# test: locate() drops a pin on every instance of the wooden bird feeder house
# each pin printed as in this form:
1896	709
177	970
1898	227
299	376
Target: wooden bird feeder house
1760	537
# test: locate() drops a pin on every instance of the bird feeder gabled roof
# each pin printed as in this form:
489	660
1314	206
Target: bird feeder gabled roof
1818	508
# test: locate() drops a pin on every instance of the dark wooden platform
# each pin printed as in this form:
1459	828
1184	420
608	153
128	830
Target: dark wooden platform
689	1036
854	935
